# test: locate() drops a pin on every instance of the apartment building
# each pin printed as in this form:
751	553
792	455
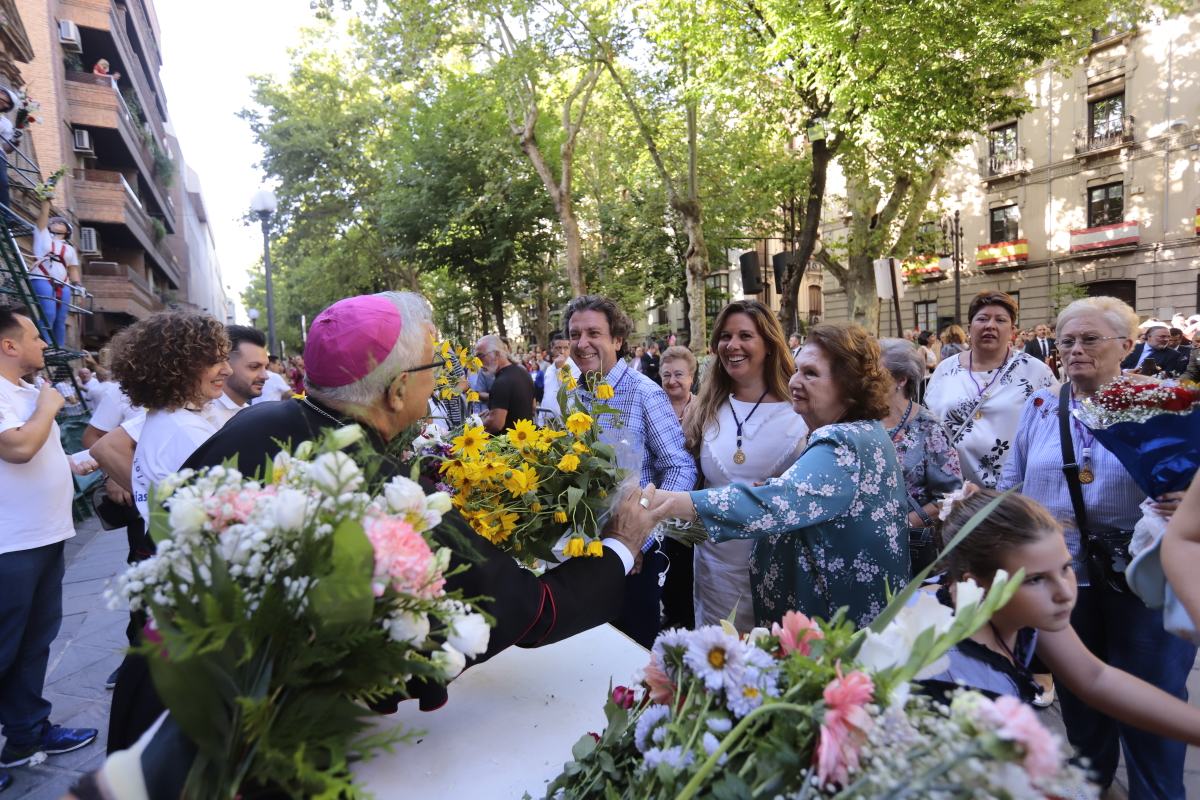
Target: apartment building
124	181
1094	191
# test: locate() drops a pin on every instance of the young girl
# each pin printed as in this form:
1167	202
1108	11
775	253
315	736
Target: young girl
1021	534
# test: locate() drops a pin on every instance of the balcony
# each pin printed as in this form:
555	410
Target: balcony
1104	137
1005	164
1002	255
133	13
119	289
1105	237
106	198
95	104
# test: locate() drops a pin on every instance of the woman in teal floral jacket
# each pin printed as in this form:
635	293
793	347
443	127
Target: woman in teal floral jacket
832	530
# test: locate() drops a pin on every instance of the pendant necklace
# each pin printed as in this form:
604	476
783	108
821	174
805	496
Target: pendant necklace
739	456
1087	439
322	412
983	394
896	431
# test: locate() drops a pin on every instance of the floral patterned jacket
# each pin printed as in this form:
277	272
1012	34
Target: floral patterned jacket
829	532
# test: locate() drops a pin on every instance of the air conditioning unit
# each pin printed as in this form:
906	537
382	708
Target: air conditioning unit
89	242
68	36
83	141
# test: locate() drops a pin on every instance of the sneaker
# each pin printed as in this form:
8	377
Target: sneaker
111	681
55	741
5	780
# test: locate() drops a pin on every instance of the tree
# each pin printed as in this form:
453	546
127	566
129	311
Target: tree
896	84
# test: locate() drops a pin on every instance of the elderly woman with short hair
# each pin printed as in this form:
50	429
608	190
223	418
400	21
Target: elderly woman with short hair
831	531
978	394
929	461
1094	335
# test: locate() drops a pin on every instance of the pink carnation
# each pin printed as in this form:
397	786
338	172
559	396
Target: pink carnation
233	506
845	727
661	687
402	558
1017	722
796	633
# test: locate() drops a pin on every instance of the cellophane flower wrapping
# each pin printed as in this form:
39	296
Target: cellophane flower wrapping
278	608
1152	427
817	709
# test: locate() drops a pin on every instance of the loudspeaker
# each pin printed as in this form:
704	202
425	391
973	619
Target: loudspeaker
751	274
780	262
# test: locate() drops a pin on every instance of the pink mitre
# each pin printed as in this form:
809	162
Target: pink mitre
350	339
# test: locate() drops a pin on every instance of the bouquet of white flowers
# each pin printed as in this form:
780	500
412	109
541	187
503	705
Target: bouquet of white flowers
278	608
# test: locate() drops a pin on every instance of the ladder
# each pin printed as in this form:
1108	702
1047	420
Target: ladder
14	282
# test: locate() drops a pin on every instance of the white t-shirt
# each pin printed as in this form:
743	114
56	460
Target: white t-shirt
45	245
94	391
166	441
114	410
276	388
134	425
222	410
36	510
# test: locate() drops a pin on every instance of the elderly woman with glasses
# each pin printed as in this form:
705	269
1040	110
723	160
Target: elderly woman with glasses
1094	335
929	461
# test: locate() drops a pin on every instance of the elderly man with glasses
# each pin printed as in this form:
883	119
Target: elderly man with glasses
511	398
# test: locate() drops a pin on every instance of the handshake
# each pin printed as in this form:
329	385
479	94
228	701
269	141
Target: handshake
641	510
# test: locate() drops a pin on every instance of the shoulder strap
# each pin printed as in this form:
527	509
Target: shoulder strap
1070	468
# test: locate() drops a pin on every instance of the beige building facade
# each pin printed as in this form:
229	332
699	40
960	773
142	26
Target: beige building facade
1095	190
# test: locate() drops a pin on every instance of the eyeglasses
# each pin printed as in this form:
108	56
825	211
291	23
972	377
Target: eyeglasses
1089	342
441	362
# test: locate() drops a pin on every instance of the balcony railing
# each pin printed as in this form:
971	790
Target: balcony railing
1104	136
1007	163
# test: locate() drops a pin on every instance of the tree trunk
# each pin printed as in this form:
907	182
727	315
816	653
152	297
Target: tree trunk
696	261
862	303
498	311
822	154
543	314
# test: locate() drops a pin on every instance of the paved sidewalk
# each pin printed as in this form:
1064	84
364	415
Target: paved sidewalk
87	649
92	639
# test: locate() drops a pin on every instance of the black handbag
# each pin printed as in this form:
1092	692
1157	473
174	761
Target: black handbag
1106	553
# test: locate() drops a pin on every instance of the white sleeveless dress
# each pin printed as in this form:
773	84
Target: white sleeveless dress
772	439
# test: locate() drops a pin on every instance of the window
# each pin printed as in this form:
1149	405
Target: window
926	315
1005	224
1002	149
1106	204
716	294
814	300
1106	119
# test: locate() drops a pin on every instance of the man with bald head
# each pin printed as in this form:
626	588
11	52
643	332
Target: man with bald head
511	398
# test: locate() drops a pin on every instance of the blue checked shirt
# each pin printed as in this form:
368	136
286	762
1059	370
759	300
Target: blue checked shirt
1036	462
647	437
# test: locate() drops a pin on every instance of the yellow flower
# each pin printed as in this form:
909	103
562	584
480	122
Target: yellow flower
445	350
535	507
508	521
470	443
569	463
560	516
580	448
523	434
594	548
472	396
521	481
604	392
569	383
574	547
603	494
447	394
579	423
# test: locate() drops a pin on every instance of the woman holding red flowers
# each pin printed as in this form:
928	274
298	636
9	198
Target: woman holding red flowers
1094	335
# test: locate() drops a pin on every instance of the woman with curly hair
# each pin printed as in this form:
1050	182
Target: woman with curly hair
173	364
831	531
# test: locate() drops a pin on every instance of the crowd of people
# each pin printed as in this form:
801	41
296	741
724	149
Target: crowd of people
817	468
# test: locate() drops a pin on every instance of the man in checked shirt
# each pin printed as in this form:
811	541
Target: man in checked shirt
647	437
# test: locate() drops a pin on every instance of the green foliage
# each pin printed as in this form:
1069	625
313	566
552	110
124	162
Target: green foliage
158	228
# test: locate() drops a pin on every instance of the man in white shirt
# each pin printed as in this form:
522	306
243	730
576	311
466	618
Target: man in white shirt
35	520
276	387
560	352
248	360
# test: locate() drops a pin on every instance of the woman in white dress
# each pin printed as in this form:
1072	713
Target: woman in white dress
742	428
978	395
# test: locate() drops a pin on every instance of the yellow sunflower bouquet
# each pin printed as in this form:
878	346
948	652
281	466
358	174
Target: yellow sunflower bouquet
532	490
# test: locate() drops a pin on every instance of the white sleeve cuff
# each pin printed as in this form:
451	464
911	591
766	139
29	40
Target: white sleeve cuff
618	547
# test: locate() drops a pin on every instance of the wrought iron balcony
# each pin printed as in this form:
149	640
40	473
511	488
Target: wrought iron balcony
1104	136
1010	162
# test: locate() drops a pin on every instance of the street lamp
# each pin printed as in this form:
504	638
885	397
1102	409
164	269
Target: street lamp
264	204
952	255
252	313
